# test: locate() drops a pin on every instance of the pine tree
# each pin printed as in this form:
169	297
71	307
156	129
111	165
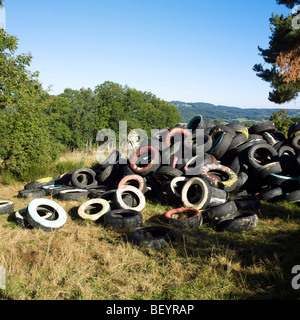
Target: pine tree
282	56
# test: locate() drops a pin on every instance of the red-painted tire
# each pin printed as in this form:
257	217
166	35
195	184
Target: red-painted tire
144	169
184	218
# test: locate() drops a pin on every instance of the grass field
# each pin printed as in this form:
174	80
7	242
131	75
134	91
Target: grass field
85	260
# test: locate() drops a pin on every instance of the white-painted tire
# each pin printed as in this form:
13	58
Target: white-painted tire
37	221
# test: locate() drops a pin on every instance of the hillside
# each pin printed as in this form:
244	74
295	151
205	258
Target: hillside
226	114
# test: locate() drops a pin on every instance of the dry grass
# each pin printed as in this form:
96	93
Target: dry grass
85	260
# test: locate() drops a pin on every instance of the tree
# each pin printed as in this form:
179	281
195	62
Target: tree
26	144
281	120
282	56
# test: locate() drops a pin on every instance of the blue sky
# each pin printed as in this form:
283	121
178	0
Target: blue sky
191	50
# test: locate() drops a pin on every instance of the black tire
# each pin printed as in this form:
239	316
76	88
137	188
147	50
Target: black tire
194	165
286	151
138	163
88	178
196	193
32	194
272	194
293	196
184	218
199	143
54	190
285	182
246	202
218	212
110	172
73	195
38	184
269	138
244	147
221	143
261	154
220	176
268	169
155	237
239	221
296	143
236	141
198	122
20	217
239	128
264	126
126	220
293	129
165	173
6	207
218	197
97	191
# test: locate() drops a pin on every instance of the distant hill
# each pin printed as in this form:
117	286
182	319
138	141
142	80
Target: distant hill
226	114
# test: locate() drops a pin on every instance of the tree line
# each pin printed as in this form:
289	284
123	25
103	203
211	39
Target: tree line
36	127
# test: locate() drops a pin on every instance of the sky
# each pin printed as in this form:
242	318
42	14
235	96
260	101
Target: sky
186	50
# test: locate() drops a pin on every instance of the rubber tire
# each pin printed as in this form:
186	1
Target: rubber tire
218	212
73	195
38	184
126	220
32	194
205	196
255	151
268	169
164	173
22	221
231	182
141	182
6	207
105	208
239	221
264	126
151	167
193	221
198	122
246	202
155	237
293	196
37	221
137	194
218	197
90	178
270	194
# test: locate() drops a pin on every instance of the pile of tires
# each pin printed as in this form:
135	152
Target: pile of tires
218	174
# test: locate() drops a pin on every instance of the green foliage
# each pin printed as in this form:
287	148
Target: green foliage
27	148
288	3
284	37
281	120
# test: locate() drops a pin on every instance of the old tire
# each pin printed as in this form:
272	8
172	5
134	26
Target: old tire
184	218
47	225
155	237
94	209
124	219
